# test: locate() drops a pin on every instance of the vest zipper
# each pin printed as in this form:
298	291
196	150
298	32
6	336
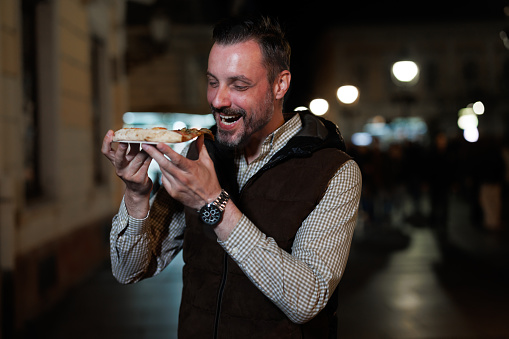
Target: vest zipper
220	294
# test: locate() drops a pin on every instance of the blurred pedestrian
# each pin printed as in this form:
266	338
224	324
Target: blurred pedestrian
491	180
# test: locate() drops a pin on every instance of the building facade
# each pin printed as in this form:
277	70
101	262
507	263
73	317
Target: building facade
169	75
62	86
460	63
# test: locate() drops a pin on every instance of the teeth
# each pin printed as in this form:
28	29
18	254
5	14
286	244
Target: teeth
229	119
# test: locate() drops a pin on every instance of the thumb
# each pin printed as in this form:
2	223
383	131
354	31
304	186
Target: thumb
200	142
202	149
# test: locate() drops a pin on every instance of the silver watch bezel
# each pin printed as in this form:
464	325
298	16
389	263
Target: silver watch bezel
212	213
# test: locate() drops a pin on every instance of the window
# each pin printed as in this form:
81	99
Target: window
30	100
98	74
40	98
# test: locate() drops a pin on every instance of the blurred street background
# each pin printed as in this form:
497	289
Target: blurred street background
420	92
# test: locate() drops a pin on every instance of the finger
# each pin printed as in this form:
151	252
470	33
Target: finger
142	164
106	148
146	163
202	149
155	154
165	156
135	171
176	159
137	158
200	142
120	154
171	181
167	150
133	150
166	182
175	186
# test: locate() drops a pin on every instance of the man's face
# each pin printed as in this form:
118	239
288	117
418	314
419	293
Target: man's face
239	93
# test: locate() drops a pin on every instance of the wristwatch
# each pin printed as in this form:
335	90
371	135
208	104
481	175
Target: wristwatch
212	213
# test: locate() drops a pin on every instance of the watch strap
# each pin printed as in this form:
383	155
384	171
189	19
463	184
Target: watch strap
212	213
222	200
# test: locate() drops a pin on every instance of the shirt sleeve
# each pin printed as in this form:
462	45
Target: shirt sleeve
142	248
300	283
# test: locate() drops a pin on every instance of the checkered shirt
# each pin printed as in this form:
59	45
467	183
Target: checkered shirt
300	283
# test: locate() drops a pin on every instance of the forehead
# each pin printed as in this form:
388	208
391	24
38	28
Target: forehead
243	58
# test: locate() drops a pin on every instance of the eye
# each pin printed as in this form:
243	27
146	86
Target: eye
240	87
212	83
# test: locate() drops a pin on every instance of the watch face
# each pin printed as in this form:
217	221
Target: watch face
210	214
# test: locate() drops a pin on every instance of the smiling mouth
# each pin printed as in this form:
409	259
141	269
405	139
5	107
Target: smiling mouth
229	119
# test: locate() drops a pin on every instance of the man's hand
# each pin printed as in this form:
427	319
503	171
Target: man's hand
132	168
192	182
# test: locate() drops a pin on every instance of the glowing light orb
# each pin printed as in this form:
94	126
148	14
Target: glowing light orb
405	71
319	106
347	94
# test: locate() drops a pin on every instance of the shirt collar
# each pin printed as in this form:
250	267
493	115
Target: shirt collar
283	134
277	139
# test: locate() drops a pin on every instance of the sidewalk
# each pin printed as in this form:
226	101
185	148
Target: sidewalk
396	286
487	247
102	308
411	293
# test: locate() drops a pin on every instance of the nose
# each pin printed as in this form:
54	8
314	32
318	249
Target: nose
221	97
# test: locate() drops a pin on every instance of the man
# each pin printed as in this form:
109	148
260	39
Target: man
264	214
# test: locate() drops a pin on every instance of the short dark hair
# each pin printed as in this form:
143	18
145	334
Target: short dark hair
266	32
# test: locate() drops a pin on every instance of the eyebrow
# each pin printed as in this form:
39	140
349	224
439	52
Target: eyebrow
242	78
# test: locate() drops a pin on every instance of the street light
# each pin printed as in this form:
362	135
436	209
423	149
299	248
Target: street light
468	120
478	108
319	106
347	94
405	72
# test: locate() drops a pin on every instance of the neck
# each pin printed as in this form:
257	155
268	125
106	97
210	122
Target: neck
254	146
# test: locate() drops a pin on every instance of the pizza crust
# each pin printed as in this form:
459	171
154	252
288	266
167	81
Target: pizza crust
156	134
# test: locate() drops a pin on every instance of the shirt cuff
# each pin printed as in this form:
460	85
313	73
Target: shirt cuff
133	226
241	240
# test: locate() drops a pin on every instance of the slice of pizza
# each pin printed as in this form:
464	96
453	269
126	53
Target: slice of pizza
159	134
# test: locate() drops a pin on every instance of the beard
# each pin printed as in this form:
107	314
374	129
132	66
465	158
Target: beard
251	122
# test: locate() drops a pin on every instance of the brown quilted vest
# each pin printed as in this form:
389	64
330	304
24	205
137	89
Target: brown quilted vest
218	300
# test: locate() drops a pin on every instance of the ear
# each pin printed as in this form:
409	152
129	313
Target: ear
282	84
